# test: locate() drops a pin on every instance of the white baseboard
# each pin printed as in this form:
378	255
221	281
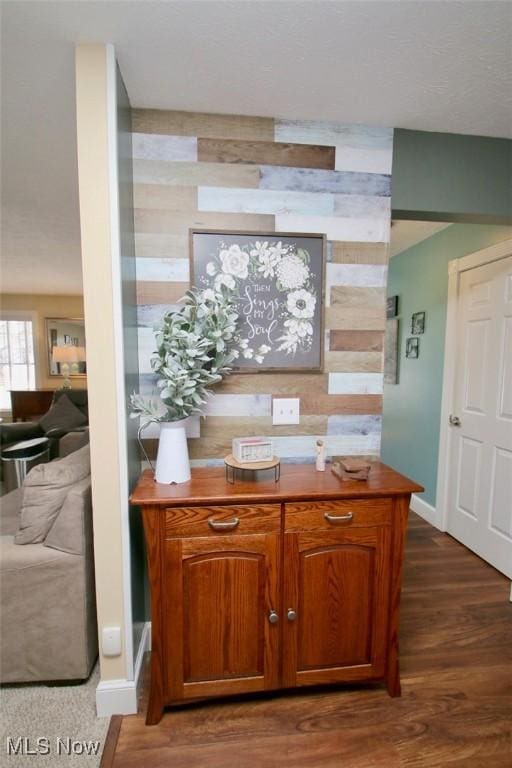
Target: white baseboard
119	697
425	510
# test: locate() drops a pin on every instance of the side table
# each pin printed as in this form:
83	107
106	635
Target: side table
24	453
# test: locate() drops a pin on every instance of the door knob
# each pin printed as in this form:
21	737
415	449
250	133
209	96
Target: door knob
292	615
273	617
454	421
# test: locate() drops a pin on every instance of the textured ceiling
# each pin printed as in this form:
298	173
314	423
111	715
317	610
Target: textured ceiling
439	66
405	234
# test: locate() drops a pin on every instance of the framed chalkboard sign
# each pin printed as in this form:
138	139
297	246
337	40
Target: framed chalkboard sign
279	281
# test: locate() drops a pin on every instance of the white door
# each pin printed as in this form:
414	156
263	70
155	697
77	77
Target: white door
480	463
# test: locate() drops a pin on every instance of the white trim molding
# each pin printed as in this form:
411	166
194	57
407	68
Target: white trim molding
455	269
425	510
119	697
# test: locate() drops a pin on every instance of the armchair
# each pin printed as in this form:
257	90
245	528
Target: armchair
14	433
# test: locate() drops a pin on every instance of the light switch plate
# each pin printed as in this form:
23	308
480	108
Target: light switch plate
285	410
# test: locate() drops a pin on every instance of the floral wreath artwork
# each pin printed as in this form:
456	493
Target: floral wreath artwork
277	283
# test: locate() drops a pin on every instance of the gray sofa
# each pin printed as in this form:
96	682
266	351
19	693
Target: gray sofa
47	595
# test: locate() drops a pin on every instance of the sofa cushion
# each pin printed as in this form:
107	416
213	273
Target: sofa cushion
68	531
63	415
10	505
44	490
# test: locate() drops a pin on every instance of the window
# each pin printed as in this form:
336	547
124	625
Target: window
17	369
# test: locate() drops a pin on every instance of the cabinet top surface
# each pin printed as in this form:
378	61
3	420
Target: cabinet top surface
208	485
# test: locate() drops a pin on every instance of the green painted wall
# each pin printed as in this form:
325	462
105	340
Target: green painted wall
412	408
450	177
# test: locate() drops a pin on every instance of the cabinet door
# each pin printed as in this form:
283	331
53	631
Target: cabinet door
219	594
337	584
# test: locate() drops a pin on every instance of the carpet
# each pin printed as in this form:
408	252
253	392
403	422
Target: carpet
51	725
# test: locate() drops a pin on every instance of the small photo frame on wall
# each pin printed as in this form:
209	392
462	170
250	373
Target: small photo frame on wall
391	306
412	347
278	279
67	339
418	323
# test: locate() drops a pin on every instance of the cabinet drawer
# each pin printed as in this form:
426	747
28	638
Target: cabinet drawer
312	515
219	520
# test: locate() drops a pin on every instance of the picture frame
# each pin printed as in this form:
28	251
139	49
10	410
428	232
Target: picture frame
67	339
279	278
412	347
418	323
391	306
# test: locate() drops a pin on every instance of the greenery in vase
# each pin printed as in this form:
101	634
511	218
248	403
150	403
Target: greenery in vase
196	347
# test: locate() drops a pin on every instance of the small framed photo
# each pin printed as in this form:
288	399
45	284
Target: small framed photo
391	306
67	339
418	323
412	347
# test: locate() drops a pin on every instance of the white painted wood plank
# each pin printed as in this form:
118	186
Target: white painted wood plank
356	384
354	425
368	160
163	270
359	206
264	201
305	446
239	405
337	228
317	180
233	200
153	146
330	133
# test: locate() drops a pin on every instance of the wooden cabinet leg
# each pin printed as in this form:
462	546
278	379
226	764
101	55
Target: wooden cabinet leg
392	678
156	699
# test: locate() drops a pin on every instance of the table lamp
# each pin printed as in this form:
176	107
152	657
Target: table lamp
68	357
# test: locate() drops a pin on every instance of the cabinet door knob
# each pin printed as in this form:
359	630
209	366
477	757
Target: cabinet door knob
337	518
273	617
220	525
292	615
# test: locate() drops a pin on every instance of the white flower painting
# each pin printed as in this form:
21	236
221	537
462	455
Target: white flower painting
277	282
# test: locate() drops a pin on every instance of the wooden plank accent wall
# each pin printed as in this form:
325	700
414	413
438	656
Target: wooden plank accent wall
247	173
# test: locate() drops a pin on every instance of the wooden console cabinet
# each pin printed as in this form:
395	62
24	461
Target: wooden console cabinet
261	585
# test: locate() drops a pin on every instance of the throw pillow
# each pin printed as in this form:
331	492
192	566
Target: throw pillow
68	532
44	490
63	415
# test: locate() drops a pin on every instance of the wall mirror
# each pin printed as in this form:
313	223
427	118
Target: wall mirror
65	339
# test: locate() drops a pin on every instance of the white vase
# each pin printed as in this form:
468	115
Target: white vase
172	464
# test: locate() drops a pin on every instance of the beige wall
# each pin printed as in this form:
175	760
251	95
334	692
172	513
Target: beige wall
99	224
42	307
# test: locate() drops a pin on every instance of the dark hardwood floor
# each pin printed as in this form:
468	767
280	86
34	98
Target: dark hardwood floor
455	710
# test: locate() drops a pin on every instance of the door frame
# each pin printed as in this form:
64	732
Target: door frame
455	269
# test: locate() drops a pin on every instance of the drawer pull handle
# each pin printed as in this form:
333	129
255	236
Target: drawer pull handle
337	518
220	525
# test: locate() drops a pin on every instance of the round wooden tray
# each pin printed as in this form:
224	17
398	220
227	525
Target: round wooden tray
253	466
232	462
